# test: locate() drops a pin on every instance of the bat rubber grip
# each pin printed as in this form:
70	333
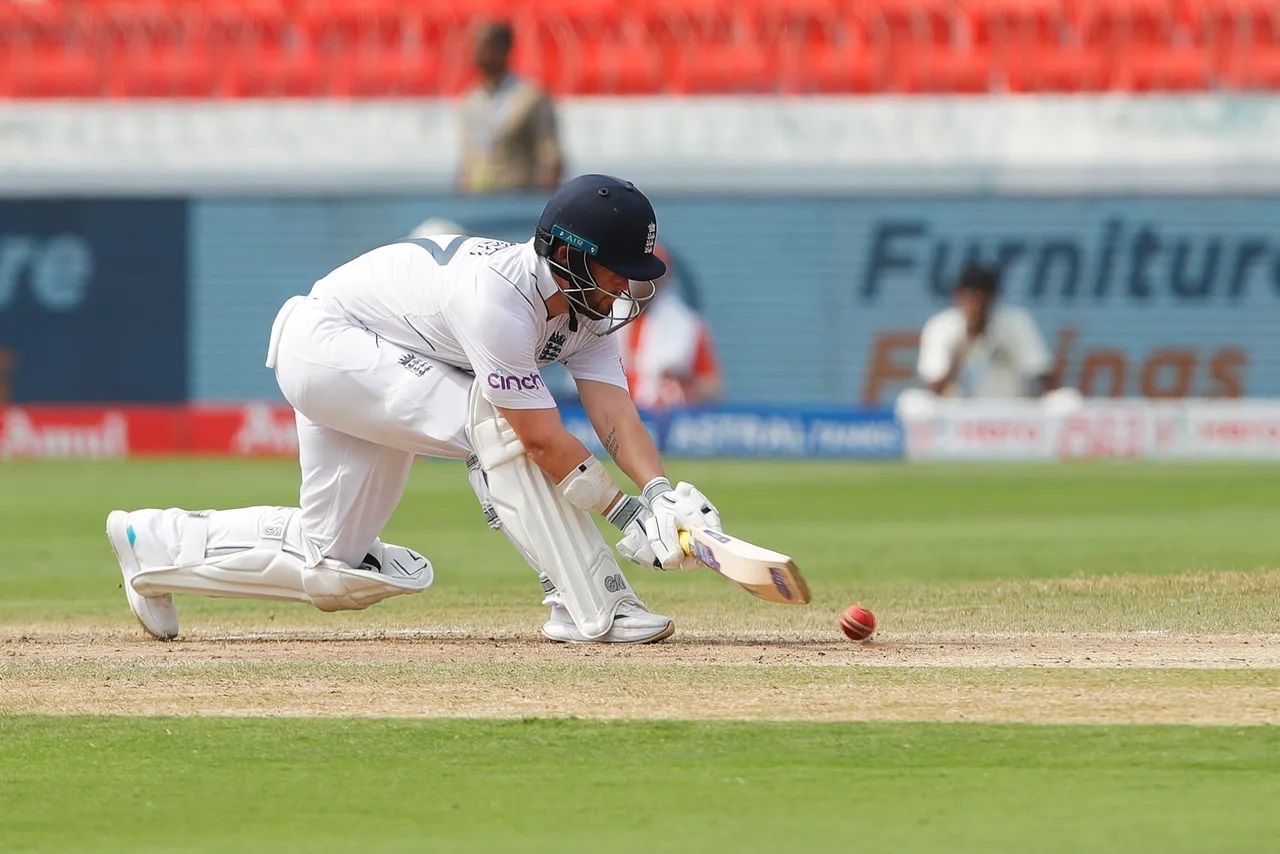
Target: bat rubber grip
686	543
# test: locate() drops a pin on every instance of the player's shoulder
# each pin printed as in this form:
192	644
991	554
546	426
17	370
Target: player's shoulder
505	277
500	261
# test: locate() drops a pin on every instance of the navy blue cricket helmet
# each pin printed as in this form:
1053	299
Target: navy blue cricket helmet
610	220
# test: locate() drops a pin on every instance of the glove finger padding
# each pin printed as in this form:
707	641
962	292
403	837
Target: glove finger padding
695	508
665	533
640	543
634	546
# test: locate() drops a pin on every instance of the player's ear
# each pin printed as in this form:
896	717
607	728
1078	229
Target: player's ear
561	254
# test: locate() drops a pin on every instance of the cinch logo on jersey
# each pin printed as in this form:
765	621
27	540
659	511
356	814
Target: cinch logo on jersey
508	382
574	240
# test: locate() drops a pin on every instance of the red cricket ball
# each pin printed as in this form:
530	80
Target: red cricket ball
857	623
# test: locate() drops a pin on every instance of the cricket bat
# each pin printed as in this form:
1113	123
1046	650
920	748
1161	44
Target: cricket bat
772	576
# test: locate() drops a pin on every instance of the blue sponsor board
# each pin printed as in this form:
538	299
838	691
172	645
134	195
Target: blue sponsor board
759	431
819	300
812	301
93	301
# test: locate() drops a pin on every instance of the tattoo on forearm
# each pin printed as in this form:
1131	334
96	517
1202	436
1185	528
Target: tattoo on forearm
611	443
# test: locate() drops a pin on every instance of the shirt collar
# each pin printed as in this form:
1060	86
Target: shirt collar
543	280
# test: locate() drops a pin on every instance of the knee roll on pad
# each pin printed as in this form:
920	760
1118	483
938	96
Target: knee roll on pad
333	586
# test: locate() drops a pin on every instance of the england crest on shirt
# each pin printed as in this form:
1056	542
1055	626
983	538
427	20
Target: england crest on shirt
551	350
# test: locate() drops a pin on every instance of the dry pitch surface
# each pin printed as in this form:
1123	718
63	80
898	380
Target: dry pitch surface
1117	594
1043	678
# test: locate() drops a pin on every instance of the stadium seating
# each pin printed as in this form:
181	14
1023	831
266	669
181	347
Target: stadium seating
372	48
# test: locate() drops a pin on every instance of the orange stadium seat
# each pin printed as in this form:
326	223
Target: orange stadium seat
162	73
371	48
1254	71
1059	69
44	72
1186	69
276	72
946	70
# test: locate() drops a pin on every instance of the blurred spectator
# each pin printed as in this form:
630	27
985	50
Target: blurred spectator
668	353
509	137
978	349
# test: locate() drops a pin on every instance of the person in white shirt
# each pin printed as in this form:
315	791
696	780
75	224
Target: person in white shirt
980	349
433	346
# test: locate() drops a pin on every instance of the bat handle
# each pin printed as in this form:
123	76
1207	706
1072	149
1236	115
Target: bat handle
686	542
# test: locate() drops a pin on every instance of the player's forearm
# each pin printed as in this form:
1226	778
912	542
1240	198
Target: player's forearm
617	423
556	453
625	438
632	448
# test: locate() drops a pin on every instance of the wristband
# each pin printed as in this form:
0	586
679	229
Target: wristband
654	488
625	512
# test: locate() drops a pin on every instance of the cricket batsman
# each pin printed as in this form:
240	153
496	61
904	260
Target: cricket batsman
433	346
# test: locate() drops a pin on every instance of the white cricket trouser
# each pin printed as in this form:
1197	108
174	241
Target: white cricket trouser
365	408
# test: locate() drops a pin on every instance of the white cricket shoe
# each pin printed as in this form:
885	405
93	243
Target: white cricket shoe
633	623
157	614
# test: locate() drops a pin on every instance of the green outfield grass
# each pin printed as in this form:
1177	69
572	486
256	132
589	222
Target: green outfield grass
1018	548
164	784
1063	552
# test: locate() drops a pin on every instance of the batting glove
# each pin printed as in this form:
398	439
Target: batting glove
679	509
639	543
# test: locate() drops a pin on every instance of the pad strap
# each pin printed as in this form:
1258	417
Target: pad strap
195	537
480	486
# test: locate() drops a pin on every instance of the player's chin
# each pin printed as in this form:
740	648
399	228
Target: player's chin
603	304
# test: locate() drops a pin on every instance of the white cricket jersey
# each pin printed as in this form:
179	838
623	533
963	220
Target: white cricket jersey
998	364
477	304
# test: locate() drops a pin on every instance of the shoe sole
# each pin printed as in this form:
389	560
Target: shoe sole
124	554
666	633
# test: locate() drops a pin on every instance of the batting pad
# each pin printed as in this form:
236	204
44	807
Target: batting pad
270	560
559	538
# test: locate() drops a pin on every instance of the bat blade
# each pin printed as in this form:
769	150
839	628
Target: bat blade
770	575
